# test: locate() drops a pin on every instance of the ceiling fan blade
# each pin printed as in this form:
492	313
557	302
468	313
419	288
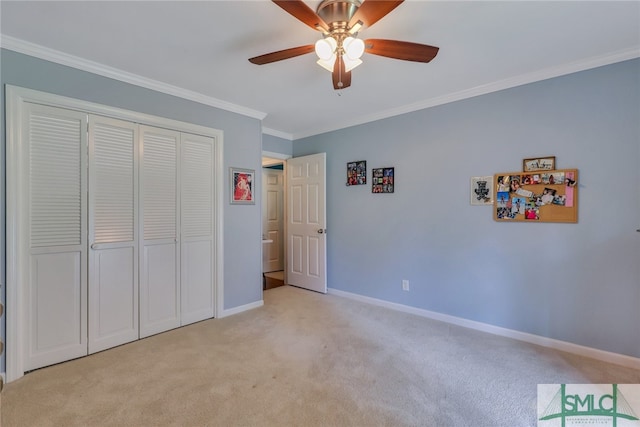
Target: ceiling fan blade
406	51
282	54
341	78
371	11
299	10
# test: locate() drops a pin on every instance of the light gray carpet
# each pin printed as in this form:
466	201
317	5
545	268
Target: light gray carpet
304	359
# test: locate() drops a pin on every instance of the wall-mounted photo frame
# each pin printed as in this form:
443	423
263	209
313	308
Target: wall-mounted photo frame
382	180
241	183
482	190
357	172
539	164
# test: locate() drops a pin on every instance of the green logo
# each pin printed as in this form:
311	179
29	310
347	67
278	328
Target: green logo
583	405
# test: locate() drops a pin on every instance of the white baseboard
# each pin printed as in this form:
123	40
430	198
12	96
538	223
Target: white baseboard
241	308
594	353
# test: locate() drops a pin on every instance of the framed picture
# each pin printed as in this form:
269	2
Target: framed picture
382	180
241	183
539	164
481	190
357	172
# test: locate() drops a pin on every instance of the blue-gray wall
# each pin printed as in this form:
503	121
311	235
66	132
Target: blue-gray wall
242	148
573	282
275	144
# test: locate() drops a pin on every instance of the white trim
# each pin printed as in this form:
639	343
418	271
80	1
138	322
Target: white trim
58	57
274	155
45	98
14	99
218	260
14	332
277	133
241	308
536	76
47	54
605	356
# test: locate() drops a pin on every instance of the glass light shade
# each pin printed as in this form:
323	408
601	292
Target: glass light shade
353	48
327	64
350	64
325	48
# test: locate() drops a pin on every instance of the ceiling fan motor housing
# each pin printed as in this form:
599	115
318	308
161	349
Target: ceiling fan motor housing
338	13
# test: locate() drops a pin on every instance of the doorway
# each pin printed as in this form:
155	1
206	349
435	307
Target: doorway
273	220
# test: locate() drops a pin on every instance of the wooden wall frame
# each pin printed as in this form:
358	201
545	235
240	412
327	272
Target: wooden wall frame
540	196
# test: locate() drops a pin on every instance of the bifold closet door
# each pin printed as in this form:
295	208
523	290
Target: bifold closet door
113	233
159	261
54	208
197	227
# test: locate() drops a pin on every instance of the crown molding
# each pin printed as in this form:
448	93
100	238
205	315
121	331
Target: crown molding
52	55
41	52
536	76
277	133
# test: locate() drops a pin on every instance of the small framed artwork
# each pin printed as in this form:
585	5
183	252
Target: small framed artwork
481	190
241	182
357	172
539	164
382	180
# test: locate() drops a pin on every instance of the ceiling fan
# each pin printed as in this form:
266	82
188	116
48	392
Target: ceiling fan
339	50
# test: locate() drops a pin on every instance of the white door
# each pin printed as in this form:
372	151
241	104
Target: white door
197	228
273	219
54	205
306	227
159	260
113	235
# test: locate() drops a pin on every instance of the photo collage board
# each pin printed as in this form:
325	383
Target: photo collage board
537	196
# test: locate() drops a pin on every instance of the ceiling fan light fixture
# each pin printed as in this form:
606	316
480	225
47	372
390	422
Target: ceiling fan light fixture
353	47
327	64
325	48
350	64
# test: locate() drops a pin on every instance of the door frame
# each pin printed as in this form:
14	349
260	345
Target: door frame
15	98
283	158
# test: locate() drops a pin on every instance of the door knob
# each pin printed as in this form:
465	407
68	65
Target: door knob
322	231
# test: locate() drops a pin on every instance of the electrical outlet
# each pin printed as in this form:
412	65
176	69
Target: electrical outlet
405	285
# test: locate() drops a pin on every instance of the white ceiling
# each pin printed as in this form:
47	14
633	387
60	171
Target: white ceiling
201	49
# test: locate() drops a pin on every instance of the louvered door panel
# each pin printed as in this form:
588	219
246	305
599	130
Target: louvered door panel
159	264
159	185
197	207
197	186
113	168
113	257
55	152
55	180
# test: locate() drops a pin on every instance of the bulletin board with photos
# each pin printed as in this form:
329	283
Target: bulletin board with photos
536	196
